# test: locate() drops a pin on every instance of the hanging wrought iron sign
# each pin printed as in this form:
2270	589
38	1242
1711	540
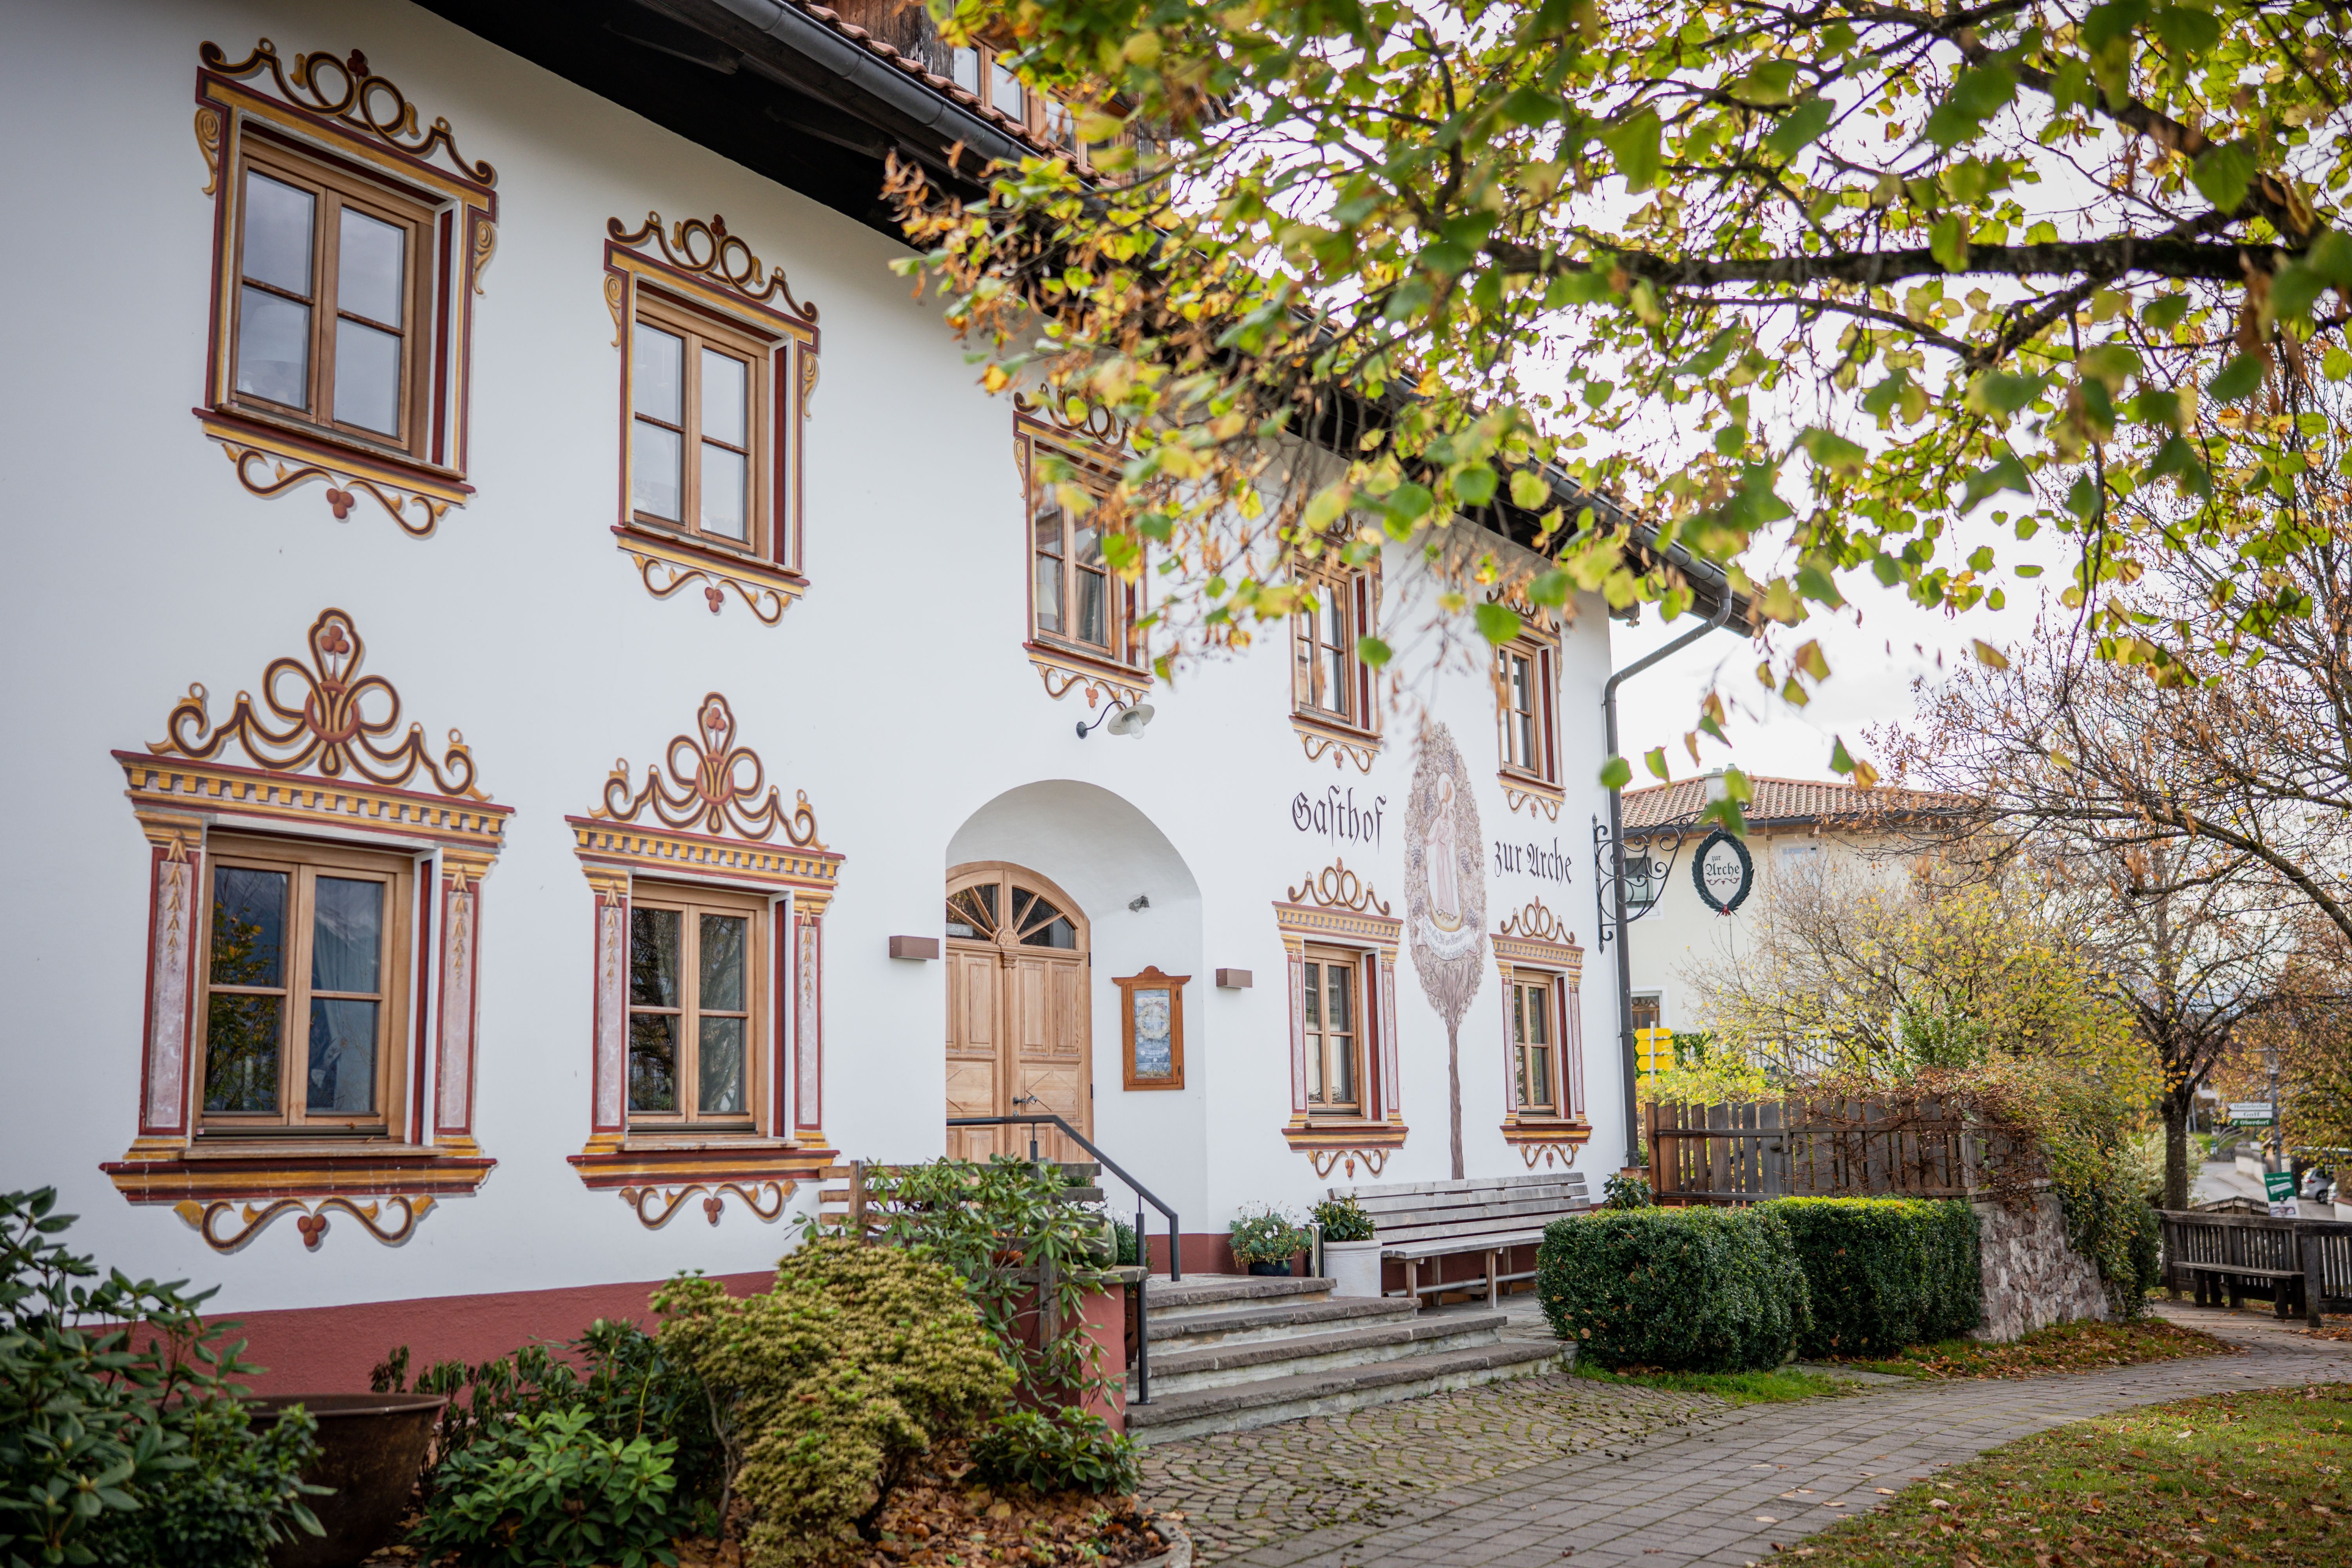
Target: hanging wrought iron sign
1723	872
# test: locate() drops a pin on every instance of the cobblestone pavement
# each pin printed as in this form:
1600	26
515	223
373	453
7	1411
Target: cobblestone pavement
1532	1471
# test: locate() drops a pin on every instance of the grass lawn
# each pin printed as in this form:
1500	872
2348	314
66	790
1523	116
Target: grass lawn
2253	1479
2064	1347
1737	1387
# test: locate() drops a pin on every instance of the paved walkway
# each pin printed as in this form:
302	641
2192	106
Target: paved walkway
1529	1472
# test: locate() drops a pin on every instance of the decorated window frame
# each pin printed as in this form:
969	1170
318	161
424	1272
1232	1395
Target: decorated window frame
1115	669
1334	693
1526	720
1335	912
348	137
700	821
1533	945
320	783
698	282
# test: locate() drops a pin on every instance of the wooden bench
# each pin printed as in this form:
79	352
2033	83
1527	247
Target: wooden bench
2305	1264
1422	1223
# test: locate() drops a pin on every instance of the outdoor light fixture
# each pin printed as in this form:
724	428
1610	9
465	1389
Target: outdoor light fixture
1141	902
1122	721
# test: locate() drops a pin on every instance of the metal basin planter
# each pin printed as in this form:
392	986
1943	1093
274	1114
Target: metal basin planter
371	1448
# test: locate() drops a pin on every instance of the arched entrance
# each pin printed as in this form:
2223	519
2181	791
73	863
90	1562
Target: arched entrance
1019	1018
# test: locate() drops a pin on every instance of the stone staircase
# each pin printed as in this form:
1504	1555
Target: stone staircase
1232	1352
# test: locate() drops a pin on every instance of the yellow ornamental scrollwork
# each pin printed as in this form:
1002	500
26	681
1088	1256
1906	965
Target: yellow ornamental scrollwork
712	784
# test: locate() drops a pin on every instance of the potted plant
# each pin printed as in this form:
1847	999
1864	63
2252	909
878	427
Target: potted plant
1265	1239
1352	1248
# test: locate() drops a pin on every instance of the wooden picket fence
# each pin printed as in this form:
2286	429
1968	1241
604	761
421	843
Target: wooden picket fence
1743	1152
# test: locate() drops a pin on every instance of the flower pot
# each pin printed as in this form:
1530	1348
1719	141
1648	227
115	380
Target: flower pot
1281	1268
1352	1266
370	1449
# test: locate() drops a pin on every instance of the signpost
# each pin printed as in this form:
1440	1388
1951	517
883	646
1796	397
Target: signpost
2280	1188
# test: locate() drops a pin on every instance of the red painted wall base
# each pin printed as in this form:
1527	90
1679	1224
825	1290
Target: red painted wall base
331	1349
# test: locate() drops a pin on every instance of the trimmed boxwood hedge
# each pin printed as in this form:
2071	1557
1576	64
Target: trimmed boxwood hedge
1688	1289
1885	1273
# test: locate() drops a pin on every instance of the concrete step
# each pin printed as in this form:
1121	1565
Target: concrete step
1283	1320
1219	1366
1236	1407
1204	1293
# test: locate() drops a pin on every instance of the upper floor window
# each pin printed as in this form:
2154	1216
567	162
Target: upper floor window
698	434
1329	679
981	72
696	1003
1075	600
306	950
1523	685
347	258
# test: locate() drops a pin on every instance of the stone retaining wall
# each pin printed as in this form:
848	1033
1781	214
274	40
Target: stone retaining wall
2033	1278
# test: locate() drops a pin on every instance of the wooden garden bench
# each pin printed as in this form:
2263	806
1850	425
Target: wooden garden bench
1422	1223
2305	1263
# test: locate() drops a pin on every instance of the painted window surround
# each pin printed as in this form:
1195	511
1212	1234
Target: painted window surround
1536	788
337	114
1533	938
1337	910
700	819
697	268
322	772
1090	442
1321	733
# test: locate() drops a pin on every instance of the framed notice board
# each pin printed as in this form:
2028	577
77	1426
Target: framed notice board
1152	1029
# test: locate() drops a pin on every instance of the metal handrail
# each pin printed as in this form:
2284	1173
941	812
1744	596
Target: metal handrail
1143	1194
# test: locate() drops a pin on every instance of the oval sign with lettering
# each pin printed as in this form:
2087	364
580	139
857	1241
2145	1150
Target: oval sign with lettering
1723	872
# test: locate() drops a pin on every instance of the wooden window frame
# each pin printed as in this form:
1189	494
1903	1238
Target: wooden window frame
1318	1038
1123	601
1151	979
698	330
333	184
1038	111
690	901
1358	593
1552	1010
1543	664
303	860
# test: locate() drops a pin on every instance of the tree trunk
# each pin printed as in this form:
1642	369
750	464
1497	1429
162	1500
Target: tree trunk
2176	1152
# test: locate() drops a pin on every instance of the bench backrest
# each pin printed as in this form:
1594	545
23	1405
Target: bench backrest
1405	1212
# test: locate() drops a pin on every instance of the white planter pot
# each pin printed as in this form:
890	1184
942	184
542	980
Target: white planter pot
1352	1266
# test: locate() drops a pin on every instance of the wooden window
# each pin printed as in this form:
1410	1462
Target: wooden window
698	426
331	312
1329	682
305	966
1074	598
1523	696
1334	1022
981	72
1535	1045
696	1006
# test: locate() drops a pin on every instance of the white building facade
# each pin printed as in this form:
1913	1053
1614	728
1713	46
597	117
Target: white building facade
574	736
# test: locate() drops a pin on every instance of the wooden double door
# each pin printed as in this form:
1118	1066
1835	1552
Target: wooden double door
1019	1029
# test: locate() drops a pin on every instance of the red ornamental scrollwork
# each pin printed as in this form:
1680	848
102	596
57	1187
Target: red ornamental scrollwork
1537	923
312	1224
1336	888
707	250
653	1207
325	721
706	787
347	90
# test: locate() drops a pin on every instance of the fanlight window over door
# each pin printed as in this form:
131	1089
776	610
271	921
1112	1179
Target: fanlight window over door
1035	920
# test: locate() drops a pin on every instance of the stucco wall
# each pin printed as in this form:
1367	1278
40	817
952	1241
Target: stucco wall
2033	1278
896	693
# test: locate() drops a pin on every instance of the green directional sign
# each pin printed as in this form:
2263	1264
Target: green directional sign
2279	1187
2252	1113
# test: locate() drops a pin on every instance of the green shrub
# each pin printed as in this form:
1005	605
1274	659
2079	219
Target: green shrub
1884	1273
1344	1219
1125	1250
1625	1193
123	1437
1058	1451
547	1491
1265	1234
616	1372
828	1388
1682	1290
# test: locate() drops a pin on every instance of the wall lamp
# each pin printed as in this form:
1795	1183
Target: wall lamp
1123	720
